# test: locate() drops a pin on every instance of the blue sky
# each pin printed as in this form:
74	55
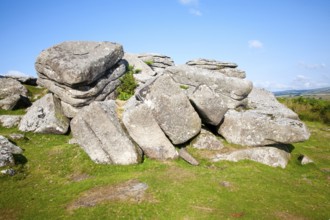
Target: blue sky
281	44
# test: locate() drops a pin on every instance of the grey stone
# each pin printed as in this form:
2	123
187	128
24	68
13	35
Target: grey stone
16	136
27	80
211	64
210	105
145	74
306	160
12	94
10	172
157	62
78	62
68	110
183	153
171	109
251	128
261	100
7	149
9	121
45	116
98	131
235	89
143	128
207	140
83	95
270	156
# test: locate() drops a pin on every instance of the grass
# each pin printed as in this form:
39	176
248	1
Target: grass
46	184
128	84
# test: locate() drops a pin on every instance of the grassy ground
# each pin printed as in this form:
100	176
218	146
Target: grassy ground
54	173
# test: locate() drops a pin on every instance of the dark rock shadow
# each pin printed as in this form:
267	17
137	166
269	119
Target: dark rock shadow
286	147
20	159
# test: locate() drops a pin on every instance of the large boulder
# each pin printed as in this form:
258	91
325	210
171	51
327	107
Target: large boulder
45	116
226	68
207	140
83	95
252	128
143	71
9	121
171	109
157	62
78	62
143	128
270	156
7	149
12	94
98	131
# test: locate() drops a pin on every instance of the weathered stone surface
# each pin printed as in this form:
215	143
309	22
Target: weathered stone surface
305	160
251	128
235	88
210	105
145	74
98	131
207	140
263	101
129	191
80	96
171	109
78	62
16	136
211	64
45	116
9	121
143	128
7	149
12	94
27	80
68	110
183	153
157	62
270	156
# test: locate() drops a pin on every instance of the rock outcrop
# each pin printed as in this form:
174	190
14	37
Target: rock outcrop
45	116
98	131
157	62
7	149
9	121
13	94
80	72
270	156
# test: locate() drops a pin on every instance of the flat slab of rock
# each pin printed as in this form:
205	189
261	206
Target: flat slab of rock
157	62
211	64
207	140
270	156
78	62
45	116
9	121
129	191
7	149
171	109
251	128
97	130
143	128
183	153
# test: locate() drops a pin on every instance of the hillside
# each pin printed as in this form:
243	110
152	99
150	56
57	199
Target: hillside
323	93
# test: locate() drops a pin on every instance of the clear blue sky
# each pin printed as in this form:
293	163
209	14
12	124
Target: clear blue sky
281	44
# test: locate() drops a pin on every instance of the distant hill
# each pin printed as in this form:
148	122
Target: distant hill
317	93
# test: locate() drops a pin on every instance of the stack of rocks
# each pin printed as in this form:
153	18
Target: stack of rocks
226	68
157	62
81	72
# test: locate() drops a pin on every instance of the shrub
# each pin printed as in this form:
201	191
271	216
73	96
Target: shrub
149	62
128	84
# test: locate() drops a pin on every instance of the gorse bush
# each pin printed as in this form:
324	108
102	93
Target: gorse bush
128	85
309	109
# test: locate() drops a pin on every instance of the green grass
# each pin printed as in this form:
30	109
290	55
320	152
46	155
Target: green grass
45	186
128	84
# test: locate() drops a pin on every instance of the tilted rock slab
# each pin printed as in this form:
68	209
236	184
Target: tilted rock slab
207	140
270	156
251	128
157	62
211	93
7	149
145	74
226	68
45	116
143	128
78	62
98	131
171	109
12	94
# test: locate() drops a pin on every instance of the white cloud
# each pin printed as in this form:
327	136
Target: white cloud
313	66
255	44
15	73
195	12
189	2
